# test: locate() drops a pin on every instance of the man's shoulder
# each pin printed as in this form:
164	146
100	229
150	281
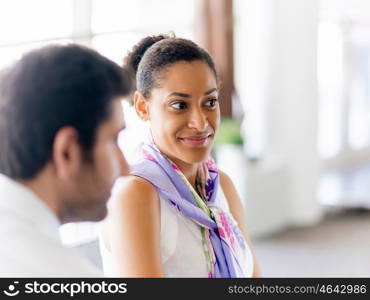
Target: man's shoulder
12	266
27	252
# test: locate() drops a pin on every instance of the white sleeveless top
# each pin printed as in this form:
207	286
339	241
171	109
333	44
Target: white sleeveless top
181	244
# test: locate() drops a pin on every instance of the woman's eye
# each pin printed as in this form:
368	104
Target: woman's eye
179	105
211	102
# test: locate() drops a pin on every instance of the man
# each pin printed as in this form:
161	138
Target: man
60	115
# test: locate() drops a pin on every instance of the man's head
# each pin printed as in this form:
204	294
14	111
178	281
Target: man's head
60	116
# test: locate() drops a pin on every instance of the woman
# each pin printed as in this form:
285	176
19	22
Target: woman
177	215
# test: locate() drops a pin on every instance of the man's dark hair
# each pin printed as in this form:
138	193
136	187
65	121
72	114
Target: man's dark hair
46	90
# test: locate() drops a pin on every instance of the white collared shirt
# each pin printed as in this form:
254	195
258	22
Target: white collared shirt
30	244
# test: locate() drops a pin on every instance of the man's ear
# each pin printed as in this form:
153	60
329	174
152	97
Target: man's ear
141	105
67	152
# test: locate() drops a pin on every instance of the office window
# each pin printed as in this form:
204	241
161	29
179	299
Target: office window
118	25
141	15
359	89
36	20
330	77
24	25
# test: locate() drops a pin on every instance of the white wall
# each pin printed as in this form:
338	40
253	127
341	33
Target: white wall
276	78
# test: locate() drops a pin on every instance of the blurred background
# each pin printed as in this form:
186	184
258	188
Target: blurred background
295	135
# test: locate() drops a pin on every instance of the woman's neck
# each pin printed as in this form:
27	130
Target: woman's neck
190	171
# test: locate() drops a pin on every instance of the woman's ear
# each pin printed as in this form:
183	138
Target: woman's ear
141	105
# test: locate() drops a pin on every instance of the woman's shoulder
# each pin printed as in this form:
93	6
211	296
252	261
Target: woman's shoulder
134	190
137	182
228	189
225	180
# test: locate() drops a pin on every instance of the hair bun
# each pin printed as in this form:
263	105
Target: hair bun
133	58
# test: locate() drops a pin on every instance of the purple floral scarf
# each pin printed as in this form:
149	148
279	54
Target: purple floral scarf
224	245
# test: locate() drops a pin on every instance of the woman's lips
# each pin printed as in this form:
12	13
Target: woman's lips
196	140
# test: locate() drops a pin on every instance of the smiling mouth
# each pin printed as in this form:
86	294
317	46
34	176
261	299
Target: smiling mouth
197	140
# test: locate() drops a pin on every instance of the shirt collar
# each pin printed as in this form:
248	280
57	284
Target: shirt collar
20	200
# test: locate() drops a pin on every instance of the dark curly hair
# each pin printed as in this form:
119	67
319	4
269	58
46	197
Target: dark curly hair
155	53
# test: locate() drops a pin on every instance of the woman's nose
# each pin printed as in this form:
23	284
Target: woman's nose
198	120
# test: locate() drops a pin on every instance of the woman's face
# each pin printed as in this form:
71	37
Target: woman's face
184	111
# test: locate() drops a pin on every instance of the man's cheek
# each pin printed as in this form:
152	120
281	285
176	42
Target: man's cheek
115	168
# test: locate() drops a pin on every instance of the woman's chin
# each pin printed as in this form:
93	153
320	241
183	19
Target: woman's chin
195	157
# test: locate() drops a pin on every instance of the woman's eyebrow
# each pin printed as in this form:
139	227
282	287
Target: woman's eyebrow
179	94
210	91
188	96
